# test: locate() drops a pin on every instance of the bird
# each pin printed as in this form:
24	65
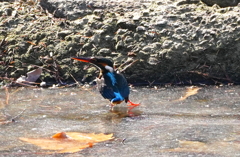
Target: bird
111	84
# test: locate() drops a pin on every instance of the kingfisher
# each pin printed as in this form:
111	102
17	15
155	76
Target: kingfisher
111	84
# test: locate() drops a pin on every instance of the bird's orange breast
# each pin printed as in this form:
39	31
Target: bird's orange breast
116	102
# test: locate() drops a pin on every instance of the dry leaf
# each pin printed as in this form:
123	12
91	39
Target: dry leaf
68	142
32	76
190	91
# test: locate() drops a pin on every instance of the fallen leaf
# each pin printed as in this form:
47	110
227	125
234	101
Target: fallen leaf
190	91
68	142
60	135
32	76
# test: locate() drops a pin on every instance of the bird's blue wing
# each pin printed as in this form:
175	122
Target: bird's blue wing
105	88
122	85
114	87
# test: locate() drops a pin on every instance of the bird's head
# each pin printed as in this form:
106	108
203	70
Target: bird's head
106	65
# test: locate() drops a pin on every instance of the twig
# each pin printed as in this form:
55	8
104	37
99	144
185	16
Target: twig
123	64
16	90
7	102
123	141
26	83
128	65
225	73
209	76
75	80
151	83
3	40
13	119
18	115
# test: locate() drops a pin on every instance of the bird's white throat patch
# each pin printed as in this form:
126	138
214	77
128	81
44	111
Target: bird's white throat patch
110	69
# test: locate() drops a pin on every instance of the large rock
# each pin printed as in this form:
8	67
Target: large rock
222	3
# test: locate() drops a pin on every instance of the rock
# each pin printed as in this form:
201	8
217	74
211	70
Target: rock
8	12
153	61
121	31
63	34
167	44
95	39
107	29
88	32
143	54
145	13
141	29
104	52
51	9
211	57
136	17
128	39
120	45
108	38
188	2
161	23
126	24
225	3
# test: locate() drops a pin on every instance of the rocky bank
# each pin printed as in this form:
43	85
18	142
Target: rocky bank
170	41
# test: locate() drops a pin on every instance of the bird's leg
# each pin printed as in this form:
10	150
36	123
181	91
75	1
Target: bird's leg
132	105
111	107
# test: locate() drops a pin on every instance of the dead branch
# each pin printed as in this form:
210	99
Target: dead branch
209	76
75	80
7	96
127	66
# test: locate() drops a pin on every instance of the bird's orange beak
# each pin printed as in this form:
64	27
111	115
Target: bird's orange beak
82	59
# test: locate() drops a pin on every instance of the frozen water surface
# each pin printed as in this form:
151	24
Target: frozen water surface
203	124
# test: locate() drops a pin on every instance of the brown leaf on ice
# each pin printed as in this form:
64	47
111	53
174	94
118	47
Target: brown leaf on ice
190	91
68	142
